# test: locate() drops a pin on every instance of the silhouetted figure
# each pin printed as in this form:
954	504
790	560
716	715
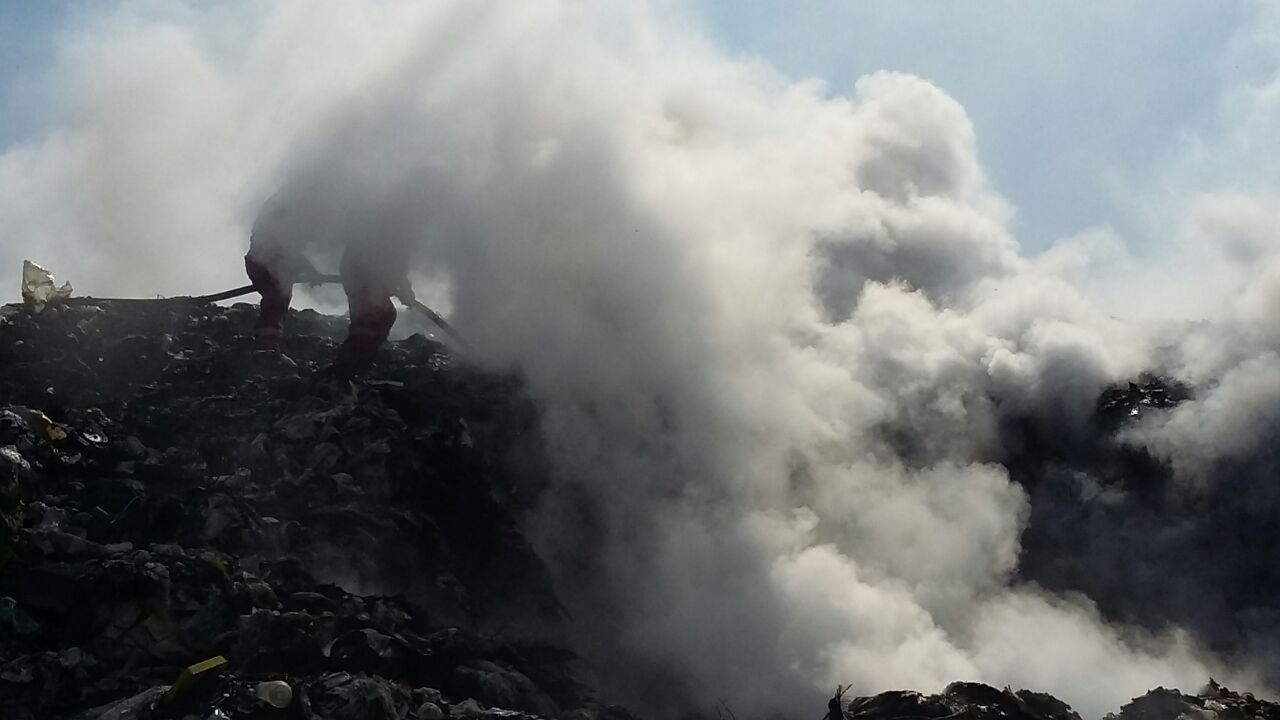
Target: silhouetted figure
372	273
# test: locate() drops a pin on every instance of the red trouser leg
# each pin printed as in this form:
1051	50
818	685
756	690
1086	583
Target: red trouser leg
370	325
372	314
276	296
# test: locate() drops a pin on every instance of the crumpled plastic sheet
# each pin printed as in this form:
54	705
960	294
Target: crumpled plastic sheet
39	288
130	708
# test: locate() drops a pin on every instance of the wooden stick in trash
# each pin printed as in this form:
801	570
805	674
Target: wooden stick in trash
225	295
215	297
248	289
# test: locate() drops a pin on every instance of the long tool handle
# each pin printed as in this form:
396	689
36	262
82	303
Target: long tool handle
215	297
224	295
435	318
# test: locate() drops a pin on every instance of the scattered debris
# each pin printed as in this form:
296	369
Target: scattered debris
1214	702
974	701
971	701
194	527
1126	403
191	527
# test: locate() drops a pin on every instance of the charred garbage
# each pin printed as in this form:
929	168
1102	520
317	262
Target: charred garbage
190	527
1213	702
974	701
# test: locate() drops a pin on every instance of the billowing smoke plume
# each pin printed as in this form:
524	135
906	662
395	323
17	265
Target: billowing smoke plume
814	418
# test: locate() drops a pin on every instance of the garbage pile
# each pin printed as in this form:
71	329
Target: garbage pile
1150	392
193	527
974	701
1214	702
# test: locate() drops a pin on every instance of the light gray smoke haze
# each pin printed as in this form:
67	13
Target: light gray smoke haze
774	331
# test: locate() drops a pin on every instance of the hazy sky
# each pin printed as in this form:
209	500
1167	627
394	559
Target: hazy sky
1082	110
781	336
1074	103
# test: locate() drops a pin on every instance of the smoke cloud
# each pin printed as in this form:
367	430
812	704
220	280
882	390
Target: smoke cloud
814	417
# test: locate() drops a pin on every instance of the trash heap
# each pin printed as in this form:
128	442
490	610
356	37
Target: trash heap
1127	403
1214	702
190	526
974	701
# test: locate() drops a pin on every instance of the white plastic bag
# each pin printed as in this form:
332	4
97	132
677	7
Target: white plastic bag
39	288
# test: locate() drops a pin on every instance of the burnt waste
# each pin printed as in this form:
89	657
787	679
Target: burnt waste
194	527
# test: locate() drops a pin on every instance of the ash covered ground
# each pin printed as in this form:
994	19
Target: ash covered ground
174	495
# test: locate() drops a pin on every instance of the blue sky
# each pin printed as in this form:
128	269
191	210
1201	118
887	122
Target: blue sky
27	54
1077	106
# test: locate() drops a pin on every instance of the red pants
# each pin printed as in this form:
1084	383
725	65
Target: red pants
368	300
276	292
369	290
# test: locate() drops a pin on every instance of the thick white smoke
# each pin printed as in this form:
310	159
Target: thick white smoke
774	331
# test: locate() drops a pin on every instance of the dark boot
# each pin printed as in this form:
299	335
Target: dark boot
369	330
274	307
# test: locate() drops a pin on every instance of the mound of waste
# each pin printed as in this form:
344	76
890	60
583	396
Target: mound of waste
973	701
193	527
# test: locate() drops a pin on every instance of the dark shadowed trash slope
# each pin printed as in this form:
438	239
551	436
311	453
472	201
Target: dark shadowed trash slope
193	527
174	499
